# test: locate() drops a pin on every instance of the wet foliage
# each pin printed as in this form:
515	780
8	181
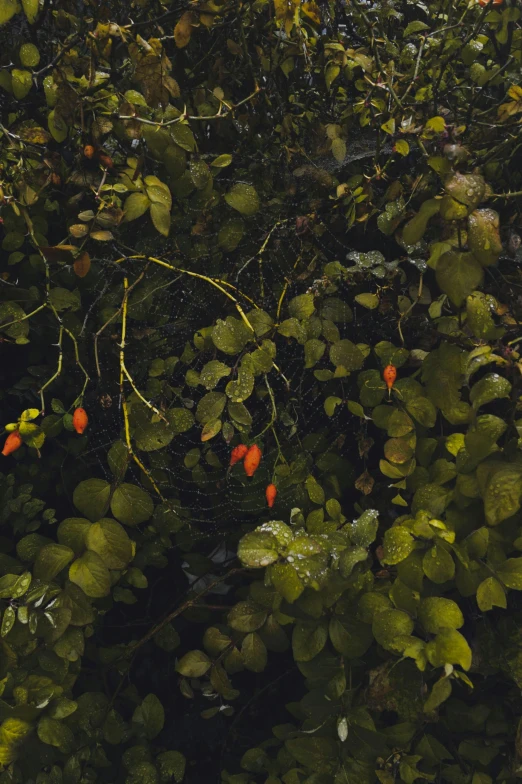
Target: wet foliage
260	336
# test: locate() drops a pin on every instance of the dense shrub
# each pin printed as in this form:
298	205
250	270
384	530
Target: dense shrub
221	223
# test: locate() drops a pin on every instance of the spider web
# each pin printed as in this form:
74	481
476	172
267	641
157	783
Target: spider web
168	311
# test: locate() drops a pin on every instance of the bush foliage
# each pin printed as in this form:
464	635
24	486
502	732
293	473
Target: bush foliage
221	222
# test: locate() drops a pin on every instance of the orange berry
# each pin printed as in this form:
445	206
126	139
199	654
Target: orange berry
252	460
271	492
389	375
12	443
238	453
486	2
89	151
80	420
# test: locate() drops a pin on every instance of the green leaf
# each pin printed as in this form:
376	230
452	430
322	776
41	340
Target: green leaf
29	414
8	8
212	373
231	336
22	81
468	189
255	761
440	692
330	404
491	594
483	236
109	539
422	410
339	149
510	572
399	424
150	716
56	733
436	613
398	544
72	533
364	530
50	561
286	581
57	126
332	71
414	27
246	617
160	215
336	310
316	753
258	549
313	350
479	309
194	664
301	307
350	637
389	626
8	621
29	55
131	505
367	300
91	575
171	765
135	206
350	557
240	389
309	639
501	489
449	647
91	498
402	147
118	458
243	198
458	274
490	387
438	565
314	490
211	429
253	653
31	8
346	354
222	161
14	587
414	230
210	407
230	234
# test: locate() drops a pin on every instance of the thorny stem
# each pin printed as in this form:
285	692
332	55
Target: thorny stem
109	321
217	284
123	399
406	312
182	608
57	372
219	116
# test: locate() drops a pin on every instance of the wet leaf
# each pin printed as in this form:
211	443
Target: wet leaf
458	274
449	647
243	198
51	559
91	498
194	664
150	716
491	594
91	575
131	505
436	613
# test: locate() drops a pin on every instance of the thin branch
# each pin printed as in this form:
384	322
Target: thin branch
182	608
